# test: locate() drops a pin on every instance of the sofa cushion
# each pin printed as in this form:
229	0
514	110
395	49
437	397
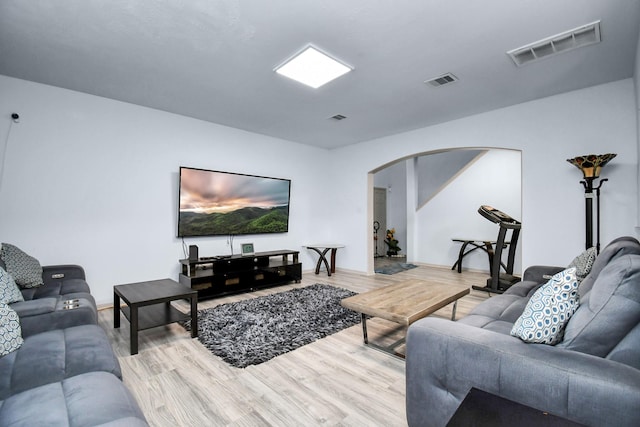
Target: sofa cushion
92	399
549	309
583	263
69	289
487	322
504	307
498	313
9	291
35	307
45	314
55	355
609	311
25	269
526	288
10	331
627	351
621	246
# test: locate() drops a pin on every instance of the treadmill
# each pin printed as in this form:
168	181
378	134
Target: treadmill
500	282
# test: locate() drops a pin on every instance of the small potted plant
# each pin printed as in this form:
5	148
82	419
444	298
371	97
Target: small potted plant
392	243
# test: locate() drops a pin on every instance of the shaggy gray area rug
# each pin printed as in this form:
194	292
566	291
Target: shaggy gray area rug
253	331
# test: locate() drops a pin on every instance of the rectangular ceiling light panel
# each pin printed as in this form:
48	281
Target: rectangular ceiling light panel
312	68
569	40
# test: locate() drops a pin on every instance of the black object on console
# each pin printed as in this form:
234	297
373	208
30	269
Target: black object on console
193	253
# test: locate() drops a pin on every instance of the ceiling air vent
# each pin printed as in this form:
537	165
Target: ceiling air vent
564	42
442	80
338	117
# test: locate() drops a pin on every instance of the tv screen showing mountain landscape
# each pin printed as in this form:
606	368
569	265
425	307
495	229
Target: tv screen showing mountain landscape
224	203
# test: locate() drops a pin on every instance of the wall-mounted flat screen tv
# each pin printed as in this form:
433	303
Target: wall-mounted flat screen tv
223	203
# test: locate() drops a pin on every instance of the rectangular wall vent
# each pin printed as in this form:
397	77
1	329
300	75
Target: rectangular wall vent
442	80
338	117
564	42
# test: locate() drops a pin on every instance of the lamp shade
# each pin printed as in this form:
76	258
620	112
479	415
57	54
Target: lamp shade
591	164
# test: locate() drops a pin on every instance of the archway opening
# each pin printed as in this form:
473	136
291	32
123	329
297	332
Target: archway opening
433	197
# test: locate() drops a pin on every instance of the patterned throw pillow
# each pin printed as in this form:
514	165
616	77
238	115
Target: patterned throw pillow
9	291
549	309
583	263
24	269
10	331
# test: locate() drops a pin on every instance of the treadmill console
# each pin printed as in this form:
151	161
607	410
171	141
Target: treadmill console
495	215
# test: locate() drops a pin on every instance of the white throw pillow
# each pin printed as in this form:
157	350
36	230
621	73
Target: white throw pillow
549	309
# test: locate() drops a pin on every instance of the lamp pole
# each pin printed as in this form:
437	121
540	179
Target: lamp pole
588	205
598	213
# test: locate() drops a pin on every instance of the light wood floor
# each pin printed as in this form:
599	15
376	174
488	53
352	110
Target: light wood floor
335	381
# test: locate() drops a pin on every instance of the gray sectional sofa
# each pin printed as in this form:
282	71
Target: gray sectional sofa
592	376
64	372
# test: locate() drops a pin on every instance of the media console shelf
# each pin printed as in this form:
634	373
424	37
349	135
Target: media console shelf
220	275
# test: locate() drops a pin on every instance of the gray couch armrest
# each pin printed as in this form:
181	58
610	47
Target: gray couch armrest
540	273
54	273
445	359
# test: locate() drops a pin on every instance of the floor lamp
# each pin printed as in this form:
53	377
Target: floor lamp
591	165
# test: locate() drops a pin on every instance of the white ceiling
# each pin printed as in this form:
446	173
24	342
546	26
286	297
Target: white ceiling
214	59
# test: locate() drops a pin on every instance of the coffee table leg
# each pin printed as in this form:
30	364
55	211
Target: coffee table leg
364	328
133	329
453	311
194	316
388	349
116	310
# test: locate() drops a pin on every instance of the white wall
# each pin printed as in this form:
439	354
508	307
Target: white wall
494	179
599	119
94	182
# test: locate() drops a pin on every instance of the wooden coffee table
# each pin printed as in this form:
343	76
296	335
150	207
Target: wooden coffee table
149	305
404	303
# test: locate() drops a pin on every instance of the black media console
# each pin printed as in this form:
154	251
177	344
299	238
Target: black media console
220	275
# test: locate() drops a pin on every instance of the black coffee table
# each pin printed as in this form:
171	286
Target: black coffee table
149	305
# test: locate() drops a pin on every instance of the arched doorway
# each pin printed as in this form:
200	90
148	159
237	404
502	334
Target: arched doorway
433	197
